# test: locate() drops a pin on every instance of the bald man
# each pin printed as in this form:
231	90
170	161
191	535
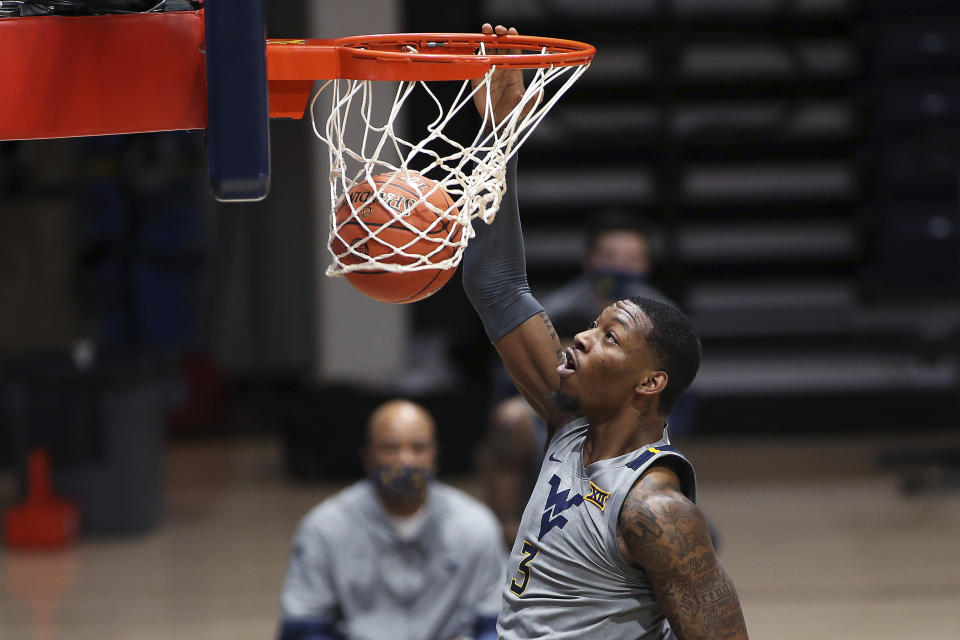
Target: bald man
398	555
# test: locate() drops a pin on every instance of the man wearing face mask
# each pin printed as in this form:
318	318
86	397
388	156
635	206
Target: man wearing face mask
617	265
397	555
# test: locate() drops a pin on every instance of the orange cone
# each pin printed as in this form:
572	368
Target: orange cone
42	521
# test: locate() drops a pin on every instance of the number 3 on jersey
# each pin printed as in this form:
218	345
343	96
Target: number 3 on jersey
529	552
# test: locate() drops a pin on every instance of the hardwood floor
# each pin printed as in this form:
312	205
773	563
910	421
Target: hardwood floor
820	543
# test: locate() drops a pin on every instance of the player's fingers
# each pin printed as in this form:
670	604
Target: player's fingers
504	31
512	31
487	28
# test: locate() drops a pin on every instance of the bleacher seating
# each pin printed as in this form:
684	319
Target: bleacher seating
760	138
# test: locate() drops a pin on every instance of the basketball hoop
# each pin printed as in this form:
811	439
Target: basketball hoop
149	73
472	172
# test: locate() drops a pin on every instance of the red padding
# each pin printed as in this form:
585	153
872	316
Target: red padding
92	75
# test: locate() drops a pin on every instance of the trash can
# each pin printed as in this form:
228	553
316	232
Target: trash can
102	422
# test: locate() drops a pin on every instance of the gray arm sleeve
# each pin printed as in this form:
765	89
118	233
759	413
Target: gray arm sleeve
495	269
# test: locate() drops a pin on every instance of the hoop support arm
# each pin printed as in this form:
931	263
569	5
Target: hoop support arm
112	74
93	75
294	65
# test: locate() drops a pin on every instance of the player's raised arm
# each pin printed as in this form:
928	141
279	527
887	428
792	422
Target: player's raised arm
662	532
495	277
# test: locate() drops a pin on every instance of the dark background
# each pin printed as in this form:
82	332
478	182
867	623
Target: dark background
797	160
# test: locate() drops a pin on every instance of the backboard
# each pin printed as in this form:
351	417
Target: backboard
212	68
82	75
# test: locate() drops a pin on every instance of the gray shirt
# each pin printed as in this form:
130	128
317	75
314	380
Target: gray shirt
350	566
566	577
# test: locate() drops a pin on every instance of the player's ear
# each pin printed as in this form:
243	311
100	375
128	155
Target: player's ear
652	383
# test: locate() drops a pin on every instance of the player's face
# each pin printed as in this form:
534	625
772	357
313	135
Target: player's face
622	251
608	361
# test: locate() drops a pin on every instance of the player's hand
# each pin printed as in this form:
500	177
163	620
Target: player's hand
506	85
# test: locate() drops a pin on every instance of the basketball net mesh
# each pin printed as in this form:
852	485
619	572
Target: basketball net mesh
472	173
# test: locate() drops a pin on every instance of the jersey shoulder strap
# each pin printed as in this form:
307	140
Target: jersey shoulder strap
660	453
674	459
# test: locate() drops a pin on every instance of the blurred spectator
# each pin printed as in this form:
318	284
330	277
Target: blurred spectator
398	554
616	265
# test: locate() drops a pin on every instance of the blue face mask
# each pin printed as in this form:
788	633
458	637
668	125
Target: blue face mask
613	284
403	483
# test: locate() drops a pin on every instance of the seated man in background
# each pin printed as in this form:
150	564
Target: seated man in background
398	555
616	265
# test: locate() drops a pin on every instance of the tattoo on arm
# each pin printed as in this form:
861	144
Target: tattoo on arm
663	533
553	334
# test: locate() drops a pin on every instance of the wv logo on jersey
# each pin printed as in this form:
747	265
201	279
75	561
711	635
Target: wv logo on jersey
557	503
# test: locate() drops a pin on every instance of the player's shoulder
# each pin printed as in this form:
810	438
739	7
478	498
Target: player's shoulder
660	483
464	513
657	521
654	499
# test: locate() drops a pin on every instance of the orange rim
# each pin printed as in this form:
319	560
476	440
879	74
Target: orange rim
460	48
294	64
416	56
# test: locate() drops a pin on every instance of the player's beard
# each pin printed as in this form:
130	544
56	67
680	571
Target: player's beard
564	401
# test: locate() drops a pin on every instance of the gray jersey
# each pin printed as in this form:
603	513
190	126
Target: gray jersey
351	570
566	577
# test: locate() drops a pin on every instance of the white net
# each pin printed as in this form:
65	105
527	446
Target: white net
435	228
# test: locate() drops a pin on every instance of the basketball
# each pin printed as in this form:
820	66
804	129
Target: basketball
387	231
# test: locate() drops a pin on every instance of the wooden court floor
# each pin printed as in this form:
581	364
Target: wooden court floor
821	544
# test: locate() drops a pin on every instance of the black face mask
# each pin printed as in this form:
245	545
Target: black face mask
403	483
613	284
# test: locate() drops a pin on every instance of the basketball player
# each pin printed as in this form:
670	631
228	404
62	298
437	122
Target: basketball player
616	264
611	544
397	555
